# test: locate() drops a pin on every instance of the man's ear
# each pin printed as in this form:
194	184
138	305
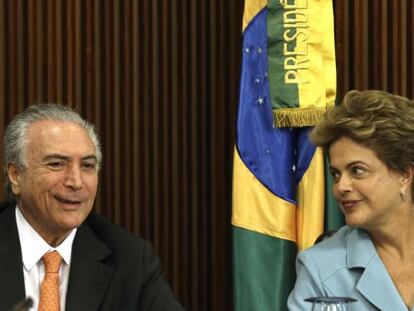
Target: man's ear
14	177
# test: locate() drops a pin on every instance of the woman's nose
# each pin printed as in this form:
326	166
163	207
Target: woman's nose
343	184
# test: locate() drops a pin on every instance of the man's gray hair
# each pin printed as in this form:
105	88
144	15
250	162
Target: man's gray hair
15	135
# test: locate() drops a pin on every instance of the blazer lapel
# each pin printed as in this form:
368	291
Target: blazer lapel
378	288
11	280
89	277
375	284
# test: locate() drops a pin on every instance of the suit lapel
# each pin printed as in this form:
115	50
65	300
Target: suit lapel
11	280
89	277
378	288
375	284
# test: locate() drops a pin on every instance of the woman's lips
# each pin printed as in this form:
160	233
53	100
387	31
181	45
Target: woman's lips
349	205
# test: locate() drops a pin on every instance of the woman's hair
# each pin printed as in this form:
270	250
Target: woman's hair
378	120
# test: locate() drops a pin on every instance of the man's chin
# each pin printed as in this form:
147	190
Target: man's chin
69	222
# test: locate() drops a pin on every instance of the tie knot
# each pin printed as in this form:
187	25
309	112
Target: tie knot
52	262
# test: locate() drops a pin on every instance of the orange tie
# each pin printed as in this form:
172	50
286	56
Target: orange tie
49	290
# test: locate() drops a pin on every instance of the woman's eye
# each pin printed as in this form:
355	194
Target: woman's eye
358	170
335	175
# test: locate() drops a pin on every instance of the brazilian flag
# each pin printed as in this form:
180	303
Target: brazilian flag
288	80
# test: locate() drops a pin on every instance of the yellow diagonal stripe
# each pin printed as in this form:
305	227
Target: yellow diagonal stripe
251	8
256	208
311	202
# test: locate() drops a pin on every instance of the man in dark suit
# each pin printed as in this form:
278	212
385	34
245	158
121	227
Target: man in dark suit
51	159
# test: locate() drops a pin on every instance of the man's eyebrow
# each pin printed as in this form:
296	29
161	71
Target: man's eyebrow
58	156
90	157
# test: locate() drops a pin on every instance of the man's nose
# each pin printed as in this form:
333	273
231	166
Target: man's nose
73	178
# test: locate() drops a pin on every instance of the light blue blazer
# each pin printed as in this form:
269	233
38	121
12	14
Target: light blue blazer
345	264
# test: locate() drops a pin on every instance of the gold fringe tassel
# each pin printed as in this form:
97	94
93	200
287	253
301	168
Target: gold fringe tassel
297	117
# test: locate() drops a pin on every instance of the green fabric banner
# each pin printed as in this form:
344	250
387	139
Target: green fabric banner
264	276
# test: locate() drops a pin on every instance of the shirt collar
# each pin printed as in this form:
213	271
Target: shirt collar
34	247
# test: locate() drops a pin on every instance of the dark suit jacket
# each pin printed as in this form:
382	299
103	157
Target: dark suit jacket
111	269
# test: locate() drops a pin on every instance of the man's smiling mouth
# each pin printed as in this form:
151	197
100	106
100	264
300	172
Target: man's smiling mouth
67	201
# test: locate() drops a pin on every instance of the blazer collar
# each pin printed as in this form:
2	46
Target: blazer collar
89	276
12	279
375	284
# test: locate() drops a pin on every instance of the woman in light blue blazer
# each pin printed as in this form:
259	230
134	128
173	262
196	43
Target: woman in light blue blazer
370	143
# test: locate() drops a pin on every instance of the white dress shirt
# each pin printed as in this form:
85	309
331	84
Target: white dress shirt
33	248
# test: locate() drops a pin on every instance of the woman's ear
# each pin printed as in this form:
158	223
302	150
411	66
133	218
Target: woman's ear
407	175
14	177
